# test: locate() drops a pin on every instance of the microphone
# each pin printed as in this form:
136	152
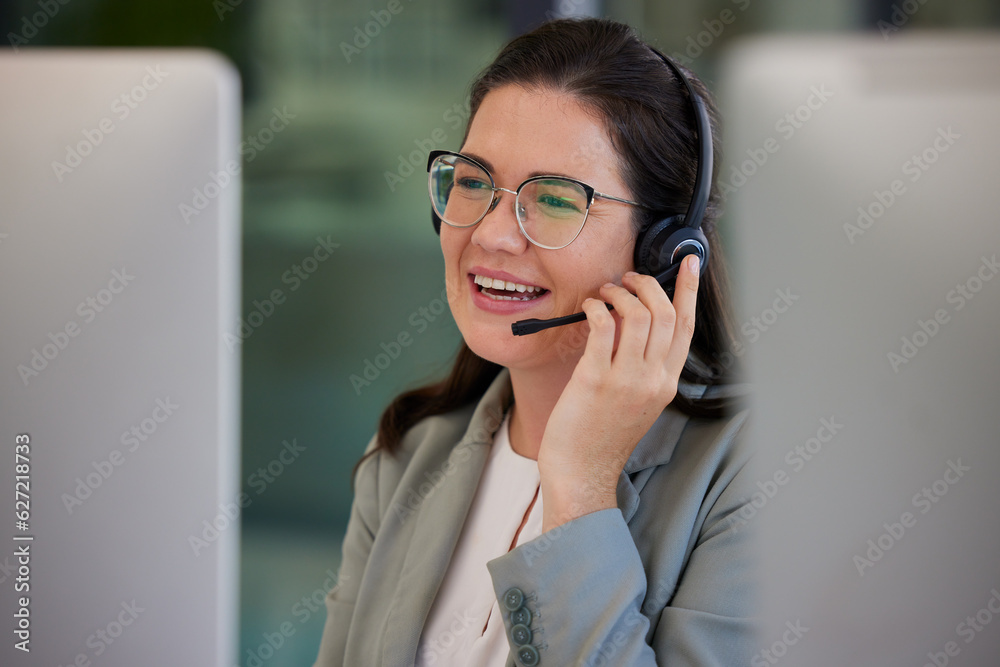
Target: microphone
534	325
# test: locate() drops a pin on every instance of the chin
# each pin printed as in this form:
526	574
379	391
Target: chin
493	344
554	347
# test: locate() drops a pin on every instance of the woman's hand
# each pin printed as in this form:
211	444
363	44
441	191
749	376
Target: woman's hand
615	395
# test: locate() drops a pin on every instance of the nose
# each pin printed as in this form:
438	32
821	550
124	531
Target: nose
499	231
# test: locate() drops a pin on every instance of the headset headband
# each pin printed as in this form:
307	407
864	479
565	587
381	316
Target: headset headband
703	176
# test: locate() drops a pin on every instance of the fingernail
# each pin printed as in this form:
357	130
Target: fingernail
694	263
610	285
631	273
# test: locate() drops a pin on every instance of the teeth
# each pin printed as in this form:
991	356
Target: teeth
488	282
497	297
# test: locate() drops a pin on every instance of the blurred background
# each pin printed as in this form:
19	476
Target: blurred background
342	102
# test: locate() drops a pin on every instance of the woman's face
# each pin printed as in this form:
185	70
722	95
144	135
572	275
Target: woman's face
518	133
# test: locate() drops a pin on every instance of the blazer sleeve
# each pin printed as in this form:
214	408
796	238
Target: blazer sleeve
361	529
577	590
583	586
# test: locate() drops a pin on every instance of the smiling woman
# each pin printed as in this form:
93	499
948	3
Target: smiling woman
565	497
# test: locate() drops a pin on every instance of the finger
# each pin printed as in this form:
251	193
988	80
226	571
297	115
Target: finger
634	330
661	328
685	301
601	339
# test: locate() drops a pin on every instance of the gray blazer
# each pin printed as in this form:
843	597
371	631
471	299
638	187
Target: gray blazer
667	578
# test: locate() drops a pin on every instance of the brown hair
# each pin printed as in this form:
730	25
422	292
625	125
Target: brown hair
650	121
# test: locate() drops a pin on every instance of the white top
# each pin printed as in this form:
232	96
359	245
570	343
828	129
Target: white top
465	626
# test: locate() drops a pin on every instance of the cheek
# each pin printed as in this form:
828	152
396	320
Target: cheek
605	265
453	244
451	250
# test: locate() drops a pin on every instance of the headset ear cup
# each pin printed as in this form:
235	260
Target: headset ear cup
665	244
647	260
436	221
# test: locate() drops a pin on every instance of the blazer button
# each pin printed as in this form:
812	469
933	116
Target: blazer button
527	655
513	599
520	616
521	635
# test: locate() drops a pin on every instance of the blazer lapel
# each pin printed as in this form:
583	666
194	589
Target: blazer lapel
657	446
654	449
438	525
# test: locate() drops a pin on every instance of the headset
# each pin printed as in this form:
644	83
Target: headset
661	246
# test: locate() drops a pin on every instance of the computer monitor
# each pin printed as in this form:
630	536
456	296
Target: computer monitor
119	398
862	198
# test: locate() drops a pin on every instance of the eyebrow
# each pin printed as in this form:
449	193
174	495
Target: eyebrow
489	166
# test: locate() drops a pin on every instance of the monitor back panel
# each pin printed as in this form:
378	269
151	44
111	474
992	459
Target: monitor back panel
119	270
861	181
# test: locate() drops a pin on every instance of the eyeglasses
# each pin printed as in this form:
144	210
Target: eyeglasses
551	210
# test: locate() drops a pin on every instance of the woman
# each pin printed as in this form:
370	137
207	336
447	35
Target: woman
565	497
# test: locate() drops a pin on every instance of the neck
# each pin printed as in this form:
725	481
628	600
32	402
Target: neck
536	392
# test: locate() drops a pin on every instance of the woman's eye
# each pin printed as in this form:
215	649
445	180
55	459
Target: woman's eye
473	184
558	204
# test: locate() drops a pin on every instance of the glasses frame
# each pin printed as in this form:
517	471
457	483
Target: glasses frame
590	192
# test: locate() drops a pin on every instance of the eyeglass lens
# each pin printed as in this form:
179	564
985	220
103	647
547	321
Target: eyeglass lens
551	211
